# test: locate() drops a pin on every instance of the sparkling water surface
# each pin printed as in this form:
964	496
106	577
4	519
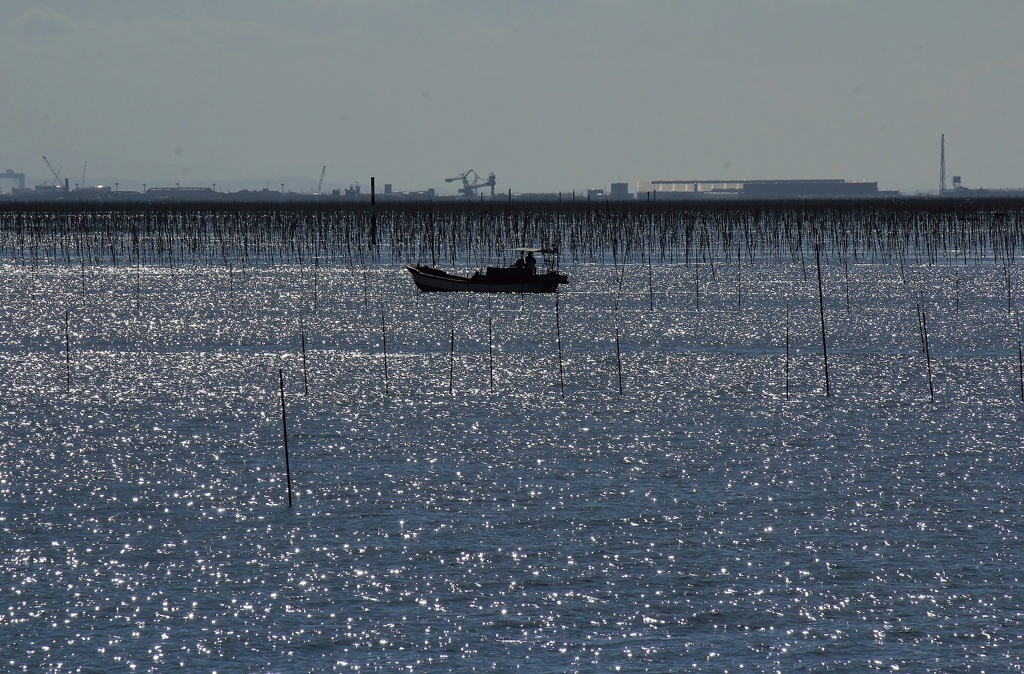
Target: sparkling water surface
474	498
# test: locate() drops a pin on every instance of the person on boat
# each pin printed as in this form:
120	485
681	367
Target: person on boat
519	263
531	263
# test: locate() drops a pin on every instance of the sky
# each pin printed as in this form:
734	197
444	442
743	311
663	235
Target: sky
549	95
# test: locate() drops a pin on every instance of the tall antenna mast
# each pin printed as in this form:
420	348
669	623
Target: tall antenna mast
942	167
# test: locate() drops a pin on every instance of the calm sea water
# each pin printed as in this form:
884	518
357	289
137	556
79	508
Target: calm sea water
499	506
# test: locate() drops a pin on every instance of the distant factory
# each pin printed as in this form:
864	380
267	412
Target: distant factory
760	189
470	186
645	190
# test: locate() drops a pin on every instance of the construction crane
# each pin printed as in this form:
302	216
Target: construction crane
472	182
56	174
320	186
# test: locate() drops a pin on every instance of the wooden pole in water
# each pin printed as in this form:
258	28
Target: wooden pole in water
927	355
821	313
284	435
67	345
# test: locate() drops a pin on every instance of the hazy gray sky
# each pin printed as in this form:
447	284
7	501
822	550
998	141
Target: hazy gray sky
550	96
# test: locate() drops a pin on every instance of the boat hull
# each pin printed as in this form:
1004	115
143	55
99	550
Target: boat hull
496	280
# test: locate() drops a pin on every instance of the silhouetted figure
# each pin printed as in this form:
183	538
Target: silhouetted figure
531	263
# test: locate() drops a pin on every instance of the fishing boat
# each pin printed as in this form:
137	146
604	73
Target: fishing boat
521	277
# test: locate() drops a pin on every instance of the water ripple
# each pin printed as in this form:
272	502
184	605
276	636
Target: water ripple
482	508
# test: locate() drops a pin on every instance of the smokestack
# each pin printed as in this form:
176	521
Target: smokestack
942	166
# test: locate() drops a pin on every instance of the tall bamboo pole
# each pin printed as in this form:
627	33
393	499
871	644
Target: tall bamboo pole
284	435
821	313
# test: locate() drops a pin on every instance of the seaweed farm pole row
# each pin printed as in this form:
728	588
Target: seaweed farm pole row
765	326
916	230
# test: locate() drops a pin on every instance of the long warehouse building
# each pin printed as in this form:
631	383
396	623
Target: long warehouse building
760	189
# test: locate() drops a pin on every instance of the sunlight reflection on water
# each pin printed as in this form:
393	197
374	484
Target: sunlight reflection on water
704	519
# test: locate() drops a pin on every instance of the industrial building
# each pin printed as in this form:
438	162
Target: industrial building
759	189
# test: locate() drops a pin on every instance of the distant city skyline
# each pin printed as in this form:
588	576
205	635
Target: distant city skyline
551	97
